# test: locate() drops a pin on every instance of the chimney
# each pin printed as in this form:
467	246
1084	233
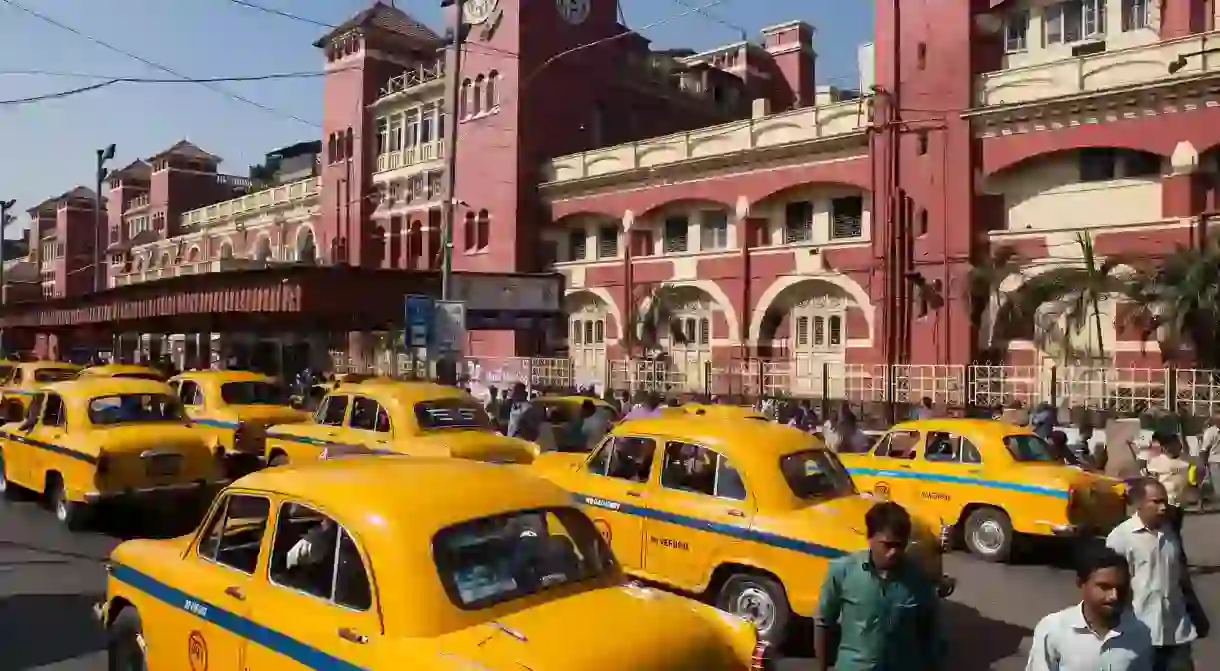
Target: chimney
791	47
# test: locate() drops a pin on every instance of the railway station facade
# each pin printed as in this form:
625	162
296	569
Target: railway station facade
803	226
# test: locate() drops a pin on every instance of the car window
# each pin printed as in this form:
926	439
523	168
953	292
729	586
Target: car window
1029	447
368	415
235	533
944	447
134	408
34	412
53	412
139	376
6	373
452	413
815	474
54	374
190	393
694	468
492	560
253	392
315	555
332	410
624	457
898	445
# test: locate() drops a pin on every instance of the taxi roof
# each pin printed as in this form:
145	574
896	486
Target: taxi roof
403	391
46	364
574	399
377	493
106	386
741	439
962	425
223	375
118	369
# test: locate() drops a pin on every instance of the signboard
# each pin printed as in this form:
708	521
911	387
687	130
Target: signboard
420	318
509	293
449	334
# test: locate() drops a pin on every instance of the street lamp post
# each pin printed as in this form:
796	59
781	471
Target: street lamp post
453	89
5	206
99	277
1178	64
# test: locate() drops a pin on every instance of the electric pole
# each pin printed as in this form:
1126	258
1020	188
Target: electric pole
99	237
5	206
453	88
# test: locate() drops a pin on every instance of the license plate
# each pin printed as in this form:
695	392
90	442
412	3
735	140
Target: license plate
163	465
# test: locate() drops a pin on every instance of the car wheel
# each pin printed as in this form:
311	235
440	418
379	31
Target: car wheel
989	535
71	514
125	642
760	601
7	490
278	460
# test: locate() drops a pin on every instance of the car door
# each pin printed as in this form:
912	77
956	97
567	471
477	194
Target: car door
700	501
213	589
191	397
369	424
614	485
888	472
49	435
952	469
25	462
318	582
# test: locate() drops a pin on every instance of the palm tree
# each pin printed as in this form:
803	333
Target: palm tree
1068	295
657	321
984	289
1179	301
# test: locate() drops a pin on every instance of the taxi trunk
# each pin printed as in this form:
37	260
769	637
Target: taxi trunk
254	420
143	457
478	446
643	638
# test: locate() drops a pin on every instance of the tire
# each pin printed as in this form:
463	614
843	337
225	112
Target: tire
71	514
8	491
125	646
759	600
988	535
280	459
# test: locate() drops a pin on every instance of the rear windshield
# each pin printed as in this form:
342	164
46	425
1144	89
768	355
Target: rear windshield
816	474
1028	447
140	376
451	413
134	408
54	374
253	392
491	560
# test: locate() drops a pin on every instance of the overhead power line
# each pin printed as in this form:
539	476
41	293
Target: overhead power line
153	64
111	81
276	12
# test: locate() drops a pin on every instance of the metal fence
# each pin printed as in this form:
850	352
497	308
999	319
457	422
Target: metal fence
1127	391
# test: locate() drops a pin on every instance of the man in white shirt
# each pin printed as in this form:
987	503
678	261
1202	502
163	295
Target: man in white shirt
1209	455
1099	632
1159	577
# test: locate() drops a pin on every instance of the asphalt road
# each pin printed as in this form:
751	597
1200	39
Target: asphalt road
49	579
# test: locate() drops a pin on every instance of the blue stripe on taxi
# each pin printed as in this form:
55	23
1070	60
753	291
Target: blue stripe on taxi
961	480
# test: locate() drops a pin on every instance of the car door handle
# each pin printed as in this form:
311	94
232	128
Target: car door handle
236	593
736	513
352	636
635	494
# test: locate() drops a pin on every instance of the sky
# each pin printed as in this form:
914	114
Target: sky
48	147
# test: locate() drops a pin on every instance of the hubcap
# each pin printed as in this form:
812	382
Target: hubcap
61	508
989	537
755	606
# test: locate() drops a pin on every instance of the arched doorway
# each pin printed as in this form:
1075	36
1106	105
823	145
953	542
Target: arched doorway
805	328
684	342
588	333
306	248
262	249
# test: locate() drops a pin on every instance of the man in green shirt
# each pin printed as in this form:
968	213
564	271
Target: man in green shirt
881	608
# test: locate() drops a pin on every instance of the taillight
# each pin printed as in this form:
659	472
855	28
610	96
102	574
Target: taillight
761	659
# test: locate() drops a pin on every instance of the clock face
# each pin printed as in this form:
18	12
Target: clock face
573	11
477	11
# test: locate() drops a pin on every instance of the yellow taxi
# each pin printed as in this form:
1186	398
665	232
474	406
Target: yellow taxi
123	370
317	391
716	410
365	563
989	481
25	378
746	514
417	418
84	442
236	407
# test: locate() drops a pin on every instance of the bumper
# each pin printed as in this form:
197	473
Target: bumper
176	489
946	586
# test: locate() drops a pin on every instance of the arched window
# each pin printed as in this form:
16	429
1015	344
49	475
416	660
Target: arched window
476	100
483	230
470	233
493	90
332	148
464	101
349	144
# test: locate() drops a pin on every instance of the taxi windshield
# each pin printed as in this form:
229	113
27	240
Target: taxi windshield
492	560
253	392
134	408
54	374
816	474
1029	447
451	413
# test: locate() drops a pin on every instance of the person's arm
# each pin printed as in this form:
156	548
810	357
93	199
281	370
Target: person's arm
1041	655
830	606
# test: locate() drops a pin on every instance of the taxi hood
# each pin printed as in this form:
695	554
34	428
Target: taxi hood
267	415
652	631
477	445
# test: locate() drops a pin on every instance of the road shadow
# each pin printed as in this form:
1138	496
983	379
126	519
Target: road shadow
44	629
126	522
977	642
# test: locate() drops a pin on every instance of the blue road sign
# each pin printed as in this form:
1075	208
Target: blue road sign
420	317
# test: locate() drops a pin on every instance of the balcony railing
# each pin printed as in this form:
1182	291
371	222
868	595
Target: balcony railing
197	268
417	76
279	195
139	201
422	153
787	128
1146	64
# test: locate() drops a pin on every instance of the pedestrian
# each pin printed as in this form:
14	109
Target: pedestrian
1100	632
924	410
523	416
1165	463
1162	596
1209	459
881	607
849	438
1044	420
649	406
